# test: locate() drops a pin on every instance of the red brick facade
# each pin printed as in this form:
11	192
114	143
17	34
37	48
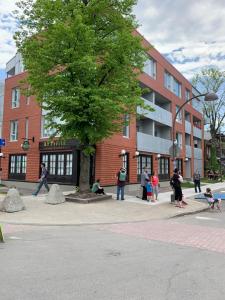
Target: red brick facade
107	161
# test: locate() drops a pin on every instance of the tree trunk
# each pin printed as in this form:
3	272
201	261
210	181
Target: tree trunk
84	172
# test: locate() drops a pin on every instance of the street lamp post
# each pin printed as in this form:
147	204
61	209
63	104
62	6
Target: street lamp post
208	97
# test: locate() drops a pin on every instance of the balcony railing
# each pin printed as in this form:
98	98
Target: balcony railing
197	132
159	115
149	143
197	153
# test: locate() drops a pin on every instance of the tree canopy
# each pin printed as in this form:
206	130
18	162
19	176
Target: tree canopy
212	80
83	61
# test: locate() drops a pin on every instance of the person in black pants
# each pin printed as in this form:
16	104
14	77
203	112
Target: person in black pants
197	179
176	185
144	179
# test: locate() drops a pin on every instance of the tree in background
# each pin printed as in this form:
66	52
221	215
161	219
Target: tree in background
83	61
212	80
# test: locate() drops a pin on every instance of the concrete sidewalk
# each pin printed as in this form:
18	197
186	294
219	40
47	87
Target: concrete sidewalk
132	209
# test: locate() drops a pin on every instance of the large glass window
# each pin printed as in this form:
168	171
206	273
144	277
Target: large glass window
179	116
45	131
144	161
163	168
172	84
58	164
15	97
17	166
14	130
150	67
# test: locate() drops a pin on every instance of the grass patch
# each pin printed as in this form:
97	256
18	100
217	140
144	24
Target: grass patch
187	185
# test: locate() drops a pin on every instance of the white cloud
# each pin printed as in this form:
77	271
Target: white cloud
7	29
191	34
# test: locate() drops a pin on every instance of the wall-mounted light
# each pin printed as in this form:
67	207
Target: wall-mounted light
26	145
158	156
122	152
136	154
186	159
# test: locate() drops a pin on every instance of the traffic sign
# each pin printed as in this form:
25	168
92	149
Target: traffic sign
2	142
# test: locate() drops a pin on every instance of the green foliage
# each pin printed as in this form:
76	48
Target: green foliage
214	165
83	63
212	80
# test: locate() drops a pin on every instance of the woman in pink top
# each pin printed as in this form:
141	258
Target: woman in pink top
155	186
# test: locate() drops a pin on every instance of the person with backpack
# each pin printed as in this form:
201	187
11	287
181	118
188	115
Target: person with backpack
175	183
42	180
121	181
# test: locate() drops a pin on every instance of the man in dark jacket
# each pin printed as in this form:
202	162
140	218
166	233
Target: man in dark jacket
42	180
144	180
197	179
175	182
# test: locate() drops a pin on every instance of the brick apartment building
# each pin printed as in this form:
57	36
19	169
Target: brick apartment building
150	135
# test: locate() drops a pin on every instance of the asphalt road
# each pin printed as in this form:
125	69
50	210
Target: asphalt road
183	258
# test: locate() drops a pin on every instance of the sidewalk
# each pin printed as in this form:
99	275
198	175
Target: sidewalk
109	211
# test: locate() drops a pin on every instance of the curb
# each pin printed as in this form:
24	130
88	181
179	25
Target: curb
190	213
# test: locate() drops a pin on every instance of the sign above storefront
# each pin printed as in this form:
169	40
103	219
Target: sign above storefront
58	145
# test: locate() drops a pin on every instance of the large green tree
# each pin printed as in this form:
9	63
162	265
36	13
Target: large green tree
212	80
83	61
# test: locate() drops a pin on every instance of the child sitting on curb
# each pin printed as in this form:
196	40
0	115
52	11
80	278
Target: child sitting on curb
211	200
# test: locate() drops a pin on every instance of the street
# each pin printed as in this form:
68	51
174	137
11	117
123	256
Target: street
180	258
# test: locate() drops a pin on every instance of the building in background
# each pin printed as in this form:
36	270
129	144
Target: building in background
150	134
2	87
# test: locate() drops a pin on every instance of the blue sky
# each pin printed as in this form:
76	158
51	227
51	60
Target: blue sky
190	33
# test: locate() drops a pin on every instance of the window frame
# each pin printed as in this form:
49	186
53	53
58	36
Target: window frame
15	103
150	67
11	134
18	169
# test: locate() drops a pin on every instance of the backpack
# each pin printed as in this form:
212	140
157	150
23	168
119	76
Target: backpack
122	176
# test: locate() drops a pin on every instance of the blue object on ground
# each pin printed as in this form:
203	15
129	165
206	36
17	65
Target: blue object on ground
219	196
200	196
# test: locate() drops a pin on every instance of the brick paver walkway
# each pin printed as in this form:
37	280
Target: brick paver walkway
202	237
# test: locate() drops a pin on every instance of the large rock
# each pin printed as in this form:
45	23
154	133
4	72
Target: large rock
12	201
55	195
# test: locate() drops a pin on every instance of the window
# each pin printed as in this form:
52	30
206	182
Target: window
45	132
179	164
150	67
58	164
125	164
142	162
187	95
26	127
15	97
179	116
17	166
163	168
172	84
13	130
126	127
179	140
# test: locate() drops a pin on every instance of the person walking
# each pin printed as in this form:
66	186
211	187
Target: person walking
144	179
42	180
197	181
121	181
155	186
176	185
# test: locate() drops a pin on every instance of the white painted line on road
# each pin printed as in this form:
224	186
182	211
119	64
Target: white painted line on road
14	238
206	218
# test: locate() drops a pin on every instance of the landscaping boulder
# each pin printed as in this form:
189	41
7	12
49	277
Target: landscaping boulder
12	201
55	195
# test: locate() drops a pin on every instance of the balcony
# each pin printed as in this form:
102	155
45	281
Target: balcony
150	143
197	132
160	115
187	127
198	153
188	151
14	66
